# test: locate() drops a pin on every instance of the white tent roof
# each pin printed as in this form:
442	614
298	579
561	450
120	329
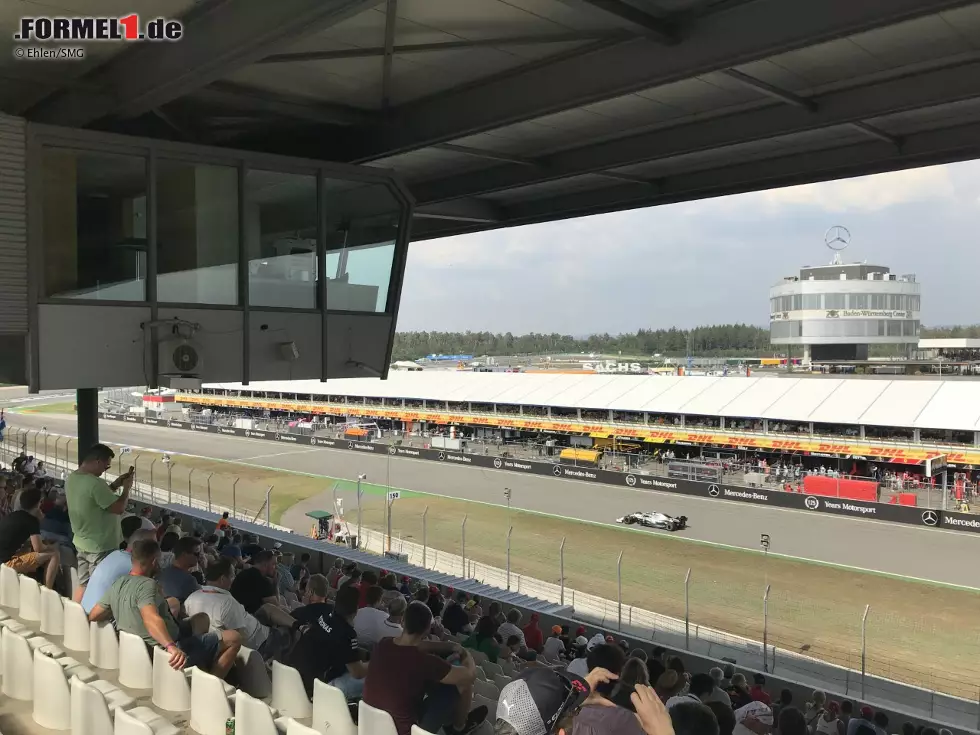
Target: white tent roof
925	403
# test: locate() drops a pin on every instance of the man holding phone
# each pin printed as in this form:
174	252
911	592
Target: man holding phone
95	510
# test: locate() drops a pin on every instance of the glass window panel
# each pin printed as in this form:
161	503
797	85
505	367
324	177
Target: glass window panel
894	328
797	302
94	225
362	226
197	233
834	301
879	301
280	239
858	301
813	301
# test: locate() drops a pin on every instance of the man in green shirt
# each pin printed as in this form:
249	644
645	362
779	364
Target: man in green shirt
94	510
136	603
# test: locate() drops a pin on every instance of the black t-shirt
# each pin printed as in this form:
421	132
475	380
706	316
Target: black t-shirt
309	613
15	531
454	618
251	587
324	651
249	550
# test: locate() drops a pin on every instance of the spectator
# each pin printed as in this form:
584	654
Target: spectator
729	672
329	650
404	588
454	617
346	573
369	579
599	715
21	546
393	626
717	693
907	728
791	722
579	665
255	589
533	637
435	601
540	701
758	692
352	580
225	613
285	584
554	647
512	626
223	522
496	614
138	606
634	672
117	564
659	653
176	580
814	709
483	640
370	619
700	687
693	718
94	510
233	549
416	687
301	571
167	544
846	713
315	599
724	716
335	573
250	546
639	653
56	525
828	724
389	583
880	723
739	692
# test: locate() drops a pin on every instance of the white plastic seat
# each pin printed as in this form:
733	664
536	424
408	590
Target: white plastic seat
209	704
297	728
3	615
15	626
288	692
481	674
331	716
253	716
89	710
416	730
142	721
52	613
135	667
479	657
103	646
53	709
30	599
42	644
171	689
492	669
76	627
485	689
115	698
371	721
253	676
491	705
9	588
500	681
17	667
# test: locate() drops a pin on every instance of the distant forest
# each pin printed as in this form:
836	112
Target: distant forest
722	340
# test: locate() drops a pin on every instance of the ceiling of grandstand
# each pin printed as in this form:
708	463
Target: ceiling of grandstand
923	404
502	112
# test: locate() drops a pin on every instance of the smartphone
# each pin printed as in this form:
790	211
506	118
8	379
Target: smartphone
132	469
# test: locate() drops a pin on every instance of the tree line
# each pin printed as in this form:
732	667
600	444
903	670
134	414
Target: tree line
720	340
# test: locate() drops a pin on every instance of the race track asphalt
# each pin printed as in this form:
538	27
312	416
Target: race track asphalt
937	555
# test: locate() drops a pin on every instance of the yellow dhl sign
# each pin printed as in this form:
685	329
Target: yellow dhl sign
651	434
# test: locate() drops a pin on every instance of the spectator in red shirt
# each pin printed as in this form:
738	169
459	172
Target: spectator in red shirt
369	579
758	693
533	637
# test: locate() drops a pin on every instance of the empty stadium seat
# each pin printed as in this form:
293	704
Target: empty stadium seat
53	708
52	613
89	710
371	721
115	698
209	704
416	730
30	600
15	626
491	705
42	644
253	676
142	721
500	681
76	627
253	716
297	728
9	588
331	715
485	689
288	692
17	666
103	646
492	669
135	667
171	689
481	674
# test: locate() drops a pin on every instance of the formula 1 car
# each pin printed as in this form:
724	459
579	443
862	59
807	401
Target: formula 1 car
655	520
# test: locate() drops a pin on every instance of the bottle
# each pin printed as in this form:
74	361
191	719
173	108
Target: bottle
230	726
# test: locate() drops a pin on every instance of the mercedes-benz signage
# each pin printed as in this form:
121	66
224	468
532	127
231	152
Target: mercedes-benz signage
924	518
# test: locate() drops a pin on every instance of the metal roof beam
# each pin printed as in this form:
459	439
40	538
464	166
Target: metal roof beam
770	90
391	21
462	210
874	132
843	107
919	149
718	41
485	154
220	37
658	29
238	97
421	48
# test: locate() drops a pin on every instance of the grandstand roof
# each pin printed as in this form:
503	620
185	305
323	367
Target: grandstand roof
926	404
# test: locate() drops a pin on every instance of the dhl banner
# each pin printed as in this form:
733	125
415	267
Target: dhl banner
651	434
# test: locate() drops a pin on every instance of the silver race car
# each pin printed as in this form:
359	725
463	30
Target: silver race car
655	520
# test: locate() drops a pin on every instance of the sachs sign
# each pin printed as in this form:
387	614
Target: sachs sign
924	518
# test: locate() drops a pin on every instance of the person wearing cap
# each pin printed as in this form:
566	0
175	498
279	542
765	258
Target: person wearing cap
827	723
758	692
579	665
414	685
538	701
600	715
554	648
533	637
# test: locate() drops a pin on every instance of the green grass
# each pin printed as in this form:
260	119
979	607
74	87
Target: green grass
917	632
67	407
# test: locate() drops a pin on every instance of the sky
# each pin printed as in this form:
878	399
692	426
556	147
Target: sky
706	262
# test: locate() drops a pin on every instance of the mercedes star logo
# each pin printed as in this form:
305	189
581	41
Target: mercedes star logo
350	445
442	456
557	470
498	463
930	517
313	440
278	437
391	450
837	237
630	480
714	491
811	502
